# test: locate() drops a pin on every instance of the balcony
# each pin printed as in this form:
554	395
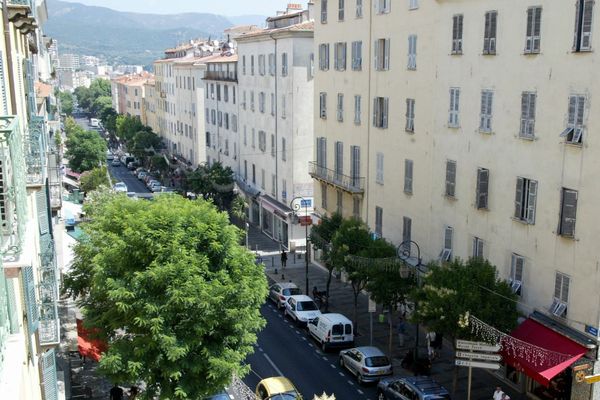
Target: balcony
35	152
22	14
350	184
221	76
49	324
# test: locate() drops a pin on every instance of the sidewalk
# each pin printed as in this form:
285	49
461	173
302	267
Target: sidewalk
341	301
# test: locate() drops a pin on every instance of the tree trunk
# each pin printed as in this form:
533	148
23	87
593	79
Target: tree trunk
330	272
356	293
391	332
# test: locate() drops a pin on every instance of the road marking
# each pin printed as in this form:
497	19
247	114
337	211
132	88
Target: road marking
273	364
332	366
360	391
324	358
341	373
303	338
311	345
350	383
298	332
260	349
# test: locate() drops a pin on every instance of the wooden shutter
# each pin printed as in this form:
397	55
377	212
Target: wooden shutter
386	108
448	238
386	55
450	178
537	19
42	210
408	176
558	285
568	212
29	293
49	376
339	159
344	56
519	198
483	176
406	230
379	168
376	55
376	110
516	273
586	25
531	201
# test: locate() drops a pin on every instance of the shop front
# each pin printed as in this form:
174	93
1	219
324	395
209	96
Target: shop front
275	219
548	360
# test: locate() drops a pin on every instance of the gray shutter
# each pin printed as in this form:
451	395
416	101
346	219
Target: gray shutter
568	212
557	285
448	238
572	110
29	290
483	176
408	176
586	26
42	210
524	114
493	28
336	55
531	115
49	377
344	55
576	37
375	111
376	54
386	108
519	198
450	178
537	28
386	55
406	230
531	201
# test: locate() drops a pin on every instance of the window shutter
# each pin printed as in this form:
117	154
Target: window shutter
42	209
483	177
537	28
572	110
49	377
375	110
3	93
336	56
376	54
386	55
344	57
529	31
450	178
29	290
565	289
448	238
524	114
531	200
483	116
339	159
406	230
586	26
576	37
558	286
486	33
408	176
386	107
519	198
569	212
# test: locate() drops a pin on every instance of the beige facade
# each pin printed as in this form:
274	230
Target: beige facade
149	105
462	107
128	94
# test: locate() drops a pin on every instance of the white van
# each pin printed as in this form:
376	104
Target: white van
332	330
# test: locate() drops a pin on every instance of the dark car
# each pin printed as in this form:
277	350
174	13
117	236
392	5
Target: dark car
411	387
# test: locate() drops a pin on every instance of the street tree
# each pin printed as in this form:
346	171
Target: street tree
84	97
321	236
214	182
109	119
127	127
93	179
85	150
66	102
170	290
100	104
453	291
144	143
71	126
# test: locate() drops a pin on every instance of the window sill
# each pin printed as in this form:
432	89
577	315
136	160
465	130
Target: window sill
453	126
572	238
410	131
527	138
489	54
483	132
408	193
456	53
582	51
482	208
573	144
531	53
450	197
522	221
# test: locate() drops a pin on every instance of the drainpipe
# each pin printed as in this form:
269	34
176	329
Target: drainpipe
276	96
368	119
9	59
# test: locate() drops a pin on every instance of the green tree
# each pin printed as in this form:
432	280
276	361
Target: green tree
109	119
93	179
85	150
144	143
100	88
158	163
100	104
172	292
453	291
321	236
84	97
214	182
127	127
66	102
72	126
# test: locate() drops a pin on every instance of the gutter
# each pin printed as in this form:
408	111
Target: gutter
9	58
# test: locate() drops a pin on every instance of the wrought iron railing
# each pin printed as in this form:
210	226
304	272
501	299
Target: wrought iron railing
35	151
13	201
352	184
49	328
221	76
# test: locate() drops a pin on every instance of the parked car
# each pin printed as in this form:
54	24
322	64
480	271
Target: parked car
269	388
411	387
132	165
109	156
301	309
115	162
220	396
152	182
368	363
156	188
141	175
280	292
120	187
332	330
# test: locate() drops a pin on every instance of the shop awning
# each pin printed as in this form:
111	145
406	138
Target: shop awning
88	347
272	205
539	365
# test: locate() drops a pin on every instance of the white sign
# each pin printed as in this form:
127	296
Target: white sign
477	346
479	356
476	364
372	305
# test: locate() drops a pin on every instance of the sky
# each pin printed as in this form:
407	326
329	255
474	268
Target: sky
221	7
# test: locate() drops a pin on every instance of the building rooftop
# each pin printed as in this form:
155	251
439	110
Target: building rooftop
307	26
223	59
134	79
42	89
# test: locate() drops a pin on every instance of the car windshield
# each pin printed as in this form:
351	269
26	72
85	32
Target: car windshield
440	397
378	361
307	306
291	291
291	395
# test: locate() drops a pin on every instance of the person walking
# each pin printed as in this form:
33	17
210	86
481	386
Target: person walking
116	393
430	337
283	258
401	332
498	394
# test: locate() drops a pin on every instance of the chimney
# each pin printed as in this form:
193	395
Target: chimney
293	7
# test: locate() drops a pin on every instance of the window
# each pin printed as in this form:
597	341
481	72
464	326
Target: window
283	106
534	24
457	34
246	170
226	121
516	273
406	232
213	117
273	147
323	11
271	64
284	64
262	178
382	54
413	4
254	174
244	99
253	138
527	128
207	139
311	66
274	185
410	115
359	8
446	253
477	247
356	56
261	102
482	195
568	213
321	155
339	161
357	100
583	25
244	65
220	118
408	176
383	6
453	121
379	176
412	52
324	56
485	118
340	201
283	149
525	199
355	165
489	32
252	65
339	60
273	104
561	295
252	101
574	132
380	112
324	195
340	10
323	105
340	107
450	178
233	94
245	136
356	207
261	65
379	221
262	141
284	190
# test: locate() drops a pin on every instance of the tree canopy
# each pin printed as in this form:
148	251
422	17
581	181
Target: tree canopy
214	182
85	150
66	102
127	127
93	179
86	97
100	104
321	236
171	290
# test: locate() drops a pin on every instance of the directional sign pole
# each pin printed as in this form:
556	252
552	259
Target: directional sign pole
469	382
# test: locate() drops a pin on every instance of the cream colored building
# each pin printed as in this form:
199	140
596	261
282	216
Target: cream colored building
149	105
128	94
468	128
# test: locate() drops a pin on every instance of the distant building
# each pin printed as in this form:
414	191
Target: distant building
149	103
69	61
128	93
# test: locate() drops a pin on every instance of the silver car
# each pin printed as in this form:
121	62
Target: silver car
280	292
368	363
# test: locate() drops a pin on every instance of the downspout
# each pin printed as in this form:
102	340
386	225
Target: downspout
368	119
9	59
276	96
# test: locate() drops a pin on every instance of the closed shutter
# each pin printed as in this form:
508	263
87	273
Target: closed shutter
355	165
50	380
339	159
323	105
386	55
586	26
531	201
344	56
483	176
379	176
519	198
558	286
386	107
450	178
412	52
517	268
29	292
406	231
448	238
376	51
568	212
375	110
3	93
408	176
534	23
42	209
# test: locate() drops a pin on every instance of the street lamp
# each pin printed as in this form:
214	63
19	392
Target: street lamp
296	206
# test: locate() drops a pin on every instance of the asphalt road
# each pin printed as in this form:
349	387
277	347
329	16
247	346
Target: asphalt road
284	349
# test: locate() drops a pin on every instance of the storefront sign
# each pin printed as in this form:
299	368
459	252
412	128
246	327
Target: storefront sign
306	203
479	356
591	330
476	364
476	346
580	367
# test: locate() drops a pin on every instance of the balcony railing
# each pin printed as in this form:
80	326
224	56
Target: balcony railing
35	152
55	179
350	184
49	326
13	213
221	76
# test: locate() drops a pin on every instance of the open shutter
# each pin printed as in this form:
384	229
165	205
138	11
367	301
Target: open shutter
29	290
50	381
531	200
386	107
406	231
42	209
386	55
450	178
568	212
576	35
519	198
376	54
483	177
492	32
448	238
375	111
537	19
408	176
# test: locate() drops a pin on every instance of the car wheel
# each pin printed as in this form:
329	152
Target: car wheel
342	363
324	347
359	378
381	396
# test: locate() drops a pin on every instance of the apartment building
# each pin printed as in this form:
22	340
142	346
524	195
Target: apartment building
276	133
29	194
149	103
462	127
128	94
221	105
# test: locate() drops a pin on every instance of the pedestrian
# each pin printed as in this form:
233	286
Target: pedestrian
401	332
505	397
116	393
430	337
133	392
283	258
498	394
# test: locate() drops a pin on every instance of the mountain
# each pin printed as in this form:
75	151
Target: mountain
126	37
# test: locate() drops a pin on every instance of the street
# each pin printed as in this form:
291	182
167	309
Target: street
286	350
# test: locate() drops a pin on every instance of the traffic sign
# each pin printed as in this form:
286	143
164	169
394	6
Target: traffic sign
592	378
476	346
372	305
479	356
476	364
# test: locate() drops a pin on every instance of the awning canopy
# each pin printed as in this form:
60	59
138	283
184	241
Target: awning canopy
88	347
539	367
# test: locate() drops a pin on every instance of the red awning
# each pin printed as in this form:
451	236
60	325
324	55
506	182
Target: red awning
542	368
88	347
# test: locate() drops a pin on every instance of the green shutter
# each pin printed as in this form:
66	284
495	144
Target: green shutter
33	314
48	364
42	210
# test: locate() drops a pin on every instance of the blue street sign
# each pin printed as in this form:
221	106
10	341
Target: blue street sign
307	203
591	330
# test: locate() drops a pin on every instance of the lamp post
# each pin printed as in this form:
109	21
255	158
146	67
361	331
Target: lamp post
296	206
404	253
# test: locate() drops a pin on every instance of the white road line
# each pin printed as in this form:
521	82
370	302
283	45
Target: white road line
311	345
341	373
332	366
298	332
273	364
303	338
360	391
324	358
350	383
